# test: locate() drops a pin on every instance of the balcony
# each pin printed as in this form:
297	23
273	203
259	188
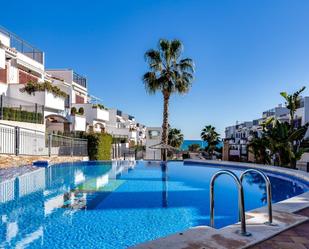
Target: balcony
46	99
12	41
80	80
93	112
99	114
78	122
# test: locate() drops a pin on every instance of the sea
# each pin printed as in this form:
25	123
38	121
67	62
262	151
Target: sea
201	143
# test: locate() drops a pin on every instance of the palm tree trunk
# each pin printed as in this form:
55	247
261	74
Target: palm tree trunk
166	97
291	120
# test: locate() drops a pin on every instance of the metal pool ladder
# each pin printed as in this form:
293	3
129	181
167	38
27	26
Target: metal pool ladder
268	191
241	203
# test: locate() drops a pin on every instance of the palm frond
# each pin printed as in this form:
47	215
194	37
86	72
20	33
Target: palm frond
154	59
151	82
187	65
176	49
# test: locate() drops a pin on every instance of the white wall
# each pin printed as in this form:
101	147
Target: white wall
152	154
5	39
93	113
306	111
117	131
13	73
42	98
2	58
66	75
30	63
3	88
78	123
32	126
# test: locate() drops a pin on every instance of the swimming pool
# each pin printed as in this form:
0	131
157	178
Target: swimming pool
116	205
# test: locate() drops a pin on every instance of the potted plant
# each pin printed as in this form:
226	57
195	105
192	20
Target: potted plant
73	111
81	111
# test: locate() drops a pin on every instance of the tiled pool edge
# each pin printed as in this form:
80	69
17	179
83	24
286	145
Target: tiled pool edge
206	237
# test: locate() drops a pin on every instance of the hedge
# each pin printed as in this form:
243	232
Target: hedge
14	114
99	146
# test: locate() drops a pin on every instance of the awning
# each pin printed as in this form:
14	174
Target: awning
162	146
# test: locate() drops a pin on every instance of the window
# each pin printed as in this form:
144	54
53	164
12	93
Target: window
153	134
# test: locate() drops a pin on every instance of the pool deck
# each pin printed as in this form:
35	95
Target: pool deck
287	218
296	237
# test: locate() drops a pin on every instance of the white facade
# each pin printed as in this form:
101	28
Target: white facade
153	137
71	83
24	63
124	125
51	103
96	117
239	135
78	122
19	66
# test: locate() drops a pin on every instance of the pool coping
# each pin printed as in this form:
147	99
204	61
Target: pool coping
284	218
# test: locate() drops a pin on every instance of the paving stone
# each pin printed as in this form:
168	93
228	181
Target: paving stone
294	238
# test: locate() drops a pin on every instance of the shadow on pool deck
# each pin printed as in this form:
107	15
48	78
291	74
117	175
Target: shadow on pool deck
296	237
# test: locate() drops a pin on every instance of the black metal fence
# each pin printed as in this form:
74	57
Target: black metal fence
23	47
18	110
22	141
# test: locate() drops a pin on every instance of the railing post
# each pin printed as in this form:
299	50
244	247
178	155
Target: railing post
72	141
50	137
17	140
1	107
36	112
43	118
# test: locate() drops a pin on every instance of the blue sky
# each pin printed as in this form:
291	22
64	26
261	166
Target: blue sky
245	52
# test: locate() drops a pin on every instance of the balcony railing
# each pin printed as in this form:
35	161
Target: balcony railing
19	110
119	113
80	80
23	47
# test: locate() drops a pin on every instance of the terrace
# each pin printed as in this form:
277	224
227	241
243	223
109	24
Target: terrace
14	42
80	80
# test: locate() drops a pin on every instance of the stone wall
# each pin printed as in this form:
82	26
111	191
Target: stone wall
9	161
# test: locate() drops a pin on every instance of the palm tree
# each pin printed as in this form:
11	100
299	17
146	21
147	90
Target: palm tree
212	137
168	74
175	138
259	147
292	103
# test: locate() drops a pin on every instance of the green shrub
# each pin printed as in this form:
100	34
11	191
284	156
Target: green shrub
73	110
32	87
14	114
99	146
81	111
185	156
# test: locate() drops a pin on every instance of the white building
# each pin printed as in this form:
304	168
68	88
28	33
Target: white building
238	136
121	125
75	86
21	63
153	137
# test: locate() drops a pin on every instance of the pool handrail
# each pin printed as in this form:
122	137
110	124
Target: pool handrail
268	191
241	204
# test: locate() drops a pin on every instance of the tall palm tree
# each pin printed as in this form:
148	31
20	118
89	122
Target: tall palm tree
175	137
212	137
292	103
169	74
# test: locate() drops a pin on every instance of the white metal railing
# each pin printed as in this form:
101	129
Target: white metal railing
22	141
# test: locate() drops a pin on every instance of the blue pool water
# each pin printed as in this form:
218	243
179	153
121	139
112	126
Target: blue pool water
116	205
